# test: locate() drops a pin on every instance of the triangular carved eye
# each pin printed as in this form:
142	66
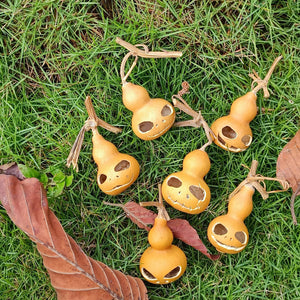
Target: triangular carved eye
197	191
174	273
241	236
220	229
247	139
147	274
102	178
174	182
145	126
122	165
166	111
228	132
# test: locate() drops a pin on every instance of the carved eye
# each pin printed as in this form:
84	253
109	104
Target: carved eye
146	126
147	274
174	273
174	182
166	111
241	236
220	229
247	139
197	191
101	178
228	132
122	165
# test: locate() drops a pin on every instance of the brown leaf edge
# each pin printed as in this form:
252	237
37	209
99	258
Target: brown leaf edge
287	168
73	274
181	229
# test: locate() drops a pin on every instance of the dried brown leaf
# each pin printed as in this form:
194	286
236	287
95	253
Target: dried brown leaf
73	274
12	169
288	162
181	229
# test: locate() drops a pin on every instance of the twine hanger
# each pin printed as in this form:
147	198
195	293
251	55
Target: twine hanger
90	124
255	181
137	52
197	121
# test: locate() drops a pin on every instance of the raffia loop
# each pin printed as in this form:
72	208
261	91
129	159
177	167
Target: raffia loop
136	52
90	124
162	212
263	83
197	121
257	181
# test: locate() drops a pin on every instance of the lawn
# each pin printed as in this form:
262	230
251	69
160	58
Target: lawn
54	53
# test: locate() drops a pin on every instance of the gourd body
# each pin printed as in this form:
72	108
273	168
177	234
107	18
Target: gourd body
163	262
116	171
151	117
186	190
233	132
228	233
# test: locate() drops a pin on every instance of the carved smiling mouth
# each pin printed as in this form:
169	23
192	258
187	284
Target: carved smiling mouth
227	247
223	145
117	187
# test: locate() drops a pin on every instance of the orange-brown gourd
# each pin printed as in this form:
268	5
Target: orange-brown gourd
151	117
186	190
228	233
116	171
163	262
233	132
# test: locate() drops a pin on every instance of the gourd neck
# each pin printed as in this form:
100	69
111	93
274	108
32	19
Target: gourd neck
102	149
240	205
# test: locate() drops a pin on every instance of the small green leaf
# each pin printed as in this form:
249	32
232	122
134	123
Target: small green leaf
58	188
59	177
44	179
69	180
29	172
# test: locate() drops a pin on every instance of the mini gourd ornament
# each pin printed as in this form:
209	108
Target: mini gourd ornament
151	117
162	262
233	132
228	233
116	171
186	190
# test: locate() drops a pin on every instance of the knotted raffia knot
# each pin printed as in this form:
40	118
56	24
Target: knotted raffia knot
197	121
262	83
257	182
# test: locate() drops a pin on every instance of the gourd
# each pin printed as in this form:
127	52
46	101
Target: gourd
233	132
228	233
151	117
186	190
162	262
116	171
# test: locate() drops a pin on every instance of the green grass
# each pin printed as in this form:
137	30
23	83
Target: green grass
54	53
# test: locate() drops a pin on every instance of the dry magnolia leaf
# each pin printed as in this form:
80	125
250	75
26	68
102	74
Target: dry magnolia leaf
73	274
181	229
288	166
288	162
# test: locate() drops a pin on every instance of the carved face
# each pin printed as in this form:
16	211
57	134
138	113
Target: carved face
153	119
231	134
227	234
186	193
117	174
163	266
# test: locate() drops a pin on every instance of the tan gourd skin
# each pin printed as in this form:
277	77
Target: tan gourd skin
233	132
151	117
228	233
186	190
163	262
116	171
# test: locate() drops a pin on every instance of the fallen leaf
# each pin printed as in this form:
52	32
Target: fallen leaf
73	274
288	166
181	229
12	169
288	162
